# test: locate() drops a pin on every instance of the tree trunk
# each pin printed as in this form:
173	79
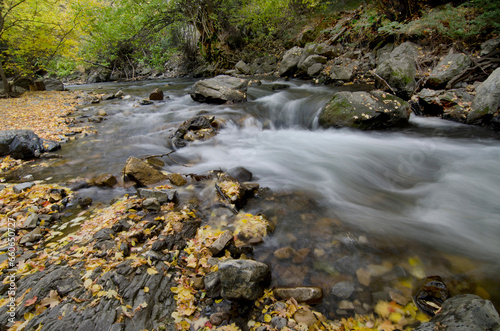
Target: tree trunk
6	87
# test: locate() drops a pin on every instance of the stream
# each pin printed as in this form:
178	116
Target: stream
420	201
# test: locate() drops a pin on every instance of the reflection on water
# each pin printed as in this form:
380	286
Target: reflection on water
378	197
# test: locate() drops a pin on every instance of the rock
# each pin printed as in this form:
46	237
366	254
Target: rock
311	60
399	70
107	180
31	221
156	95
240	174
163	196
464	312
314	70
300	255
177	179
343	290
489	46
220	89
24	144
364	276
343	72
449	104
195	128
109	96
53	84
145	102
84	202
221	242
21	187
431	294
151	204
449	67
243	68
142	173
288	65
284	252
305	316
278	322
212	283
32	236
487	101
243	279
364	110
306	294
120	94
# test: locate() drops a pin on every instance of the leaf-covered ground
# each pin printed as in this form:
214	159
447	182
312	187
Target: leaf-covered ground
40	111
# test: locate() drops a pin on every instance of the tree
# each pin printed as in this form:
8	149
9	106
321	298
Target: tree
34	32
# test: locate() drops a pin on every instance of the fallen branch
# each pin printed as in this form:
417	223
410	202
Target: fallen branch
338	35
483	67
383	81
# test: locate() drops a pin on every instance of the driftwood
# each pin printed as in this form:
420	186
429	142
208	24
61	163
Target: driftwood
482	68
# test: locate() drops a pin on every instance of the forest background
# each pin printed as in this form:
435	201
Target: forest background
63	38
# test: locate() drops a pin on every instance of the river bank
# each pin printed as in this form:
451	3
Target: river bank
131	259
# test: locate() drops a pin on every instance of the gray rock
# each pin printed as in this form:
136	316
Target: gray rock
487	100
288	65
220	89
310	60
449	67
243	68
278	322
489	46
163	196
450	104
314	70
31	221
343	72
213	286
221	242
142	173
151	204
466	312
364	110
343	290
21	187
53	84
243	279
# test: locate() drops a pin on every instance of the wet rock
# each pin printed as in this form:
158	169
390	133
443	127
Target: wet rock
177	179
364	110
142	173
84	202
241	174
306	294
109	96
151	204
24	144
300	255
288	65
195	128
104	234
449	67
487	100
220	89
284	252
221	242
343	290
104	180
449	104
163	195
145	102
464	312
213	285
21	187
431	294
243	279
156	95
120	94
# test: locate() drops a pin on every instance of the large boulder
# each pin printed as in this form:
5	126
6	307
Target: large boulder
53	84
364	110
464	312
243	279
288	65
399	69
24	144
220	89
487	101
343	70
449	67
142	173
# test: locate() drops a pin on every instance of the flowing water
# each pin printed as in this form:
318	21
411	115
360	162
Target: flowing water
425	198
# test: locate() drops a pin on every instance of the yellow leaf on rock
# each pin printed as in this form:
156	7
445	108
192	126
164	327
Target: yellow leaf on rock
267	318
146	289
152	271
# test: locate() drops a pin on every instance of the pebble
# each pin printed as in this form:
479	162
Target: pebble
303	316
284	252
343	290
177	179
307	294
